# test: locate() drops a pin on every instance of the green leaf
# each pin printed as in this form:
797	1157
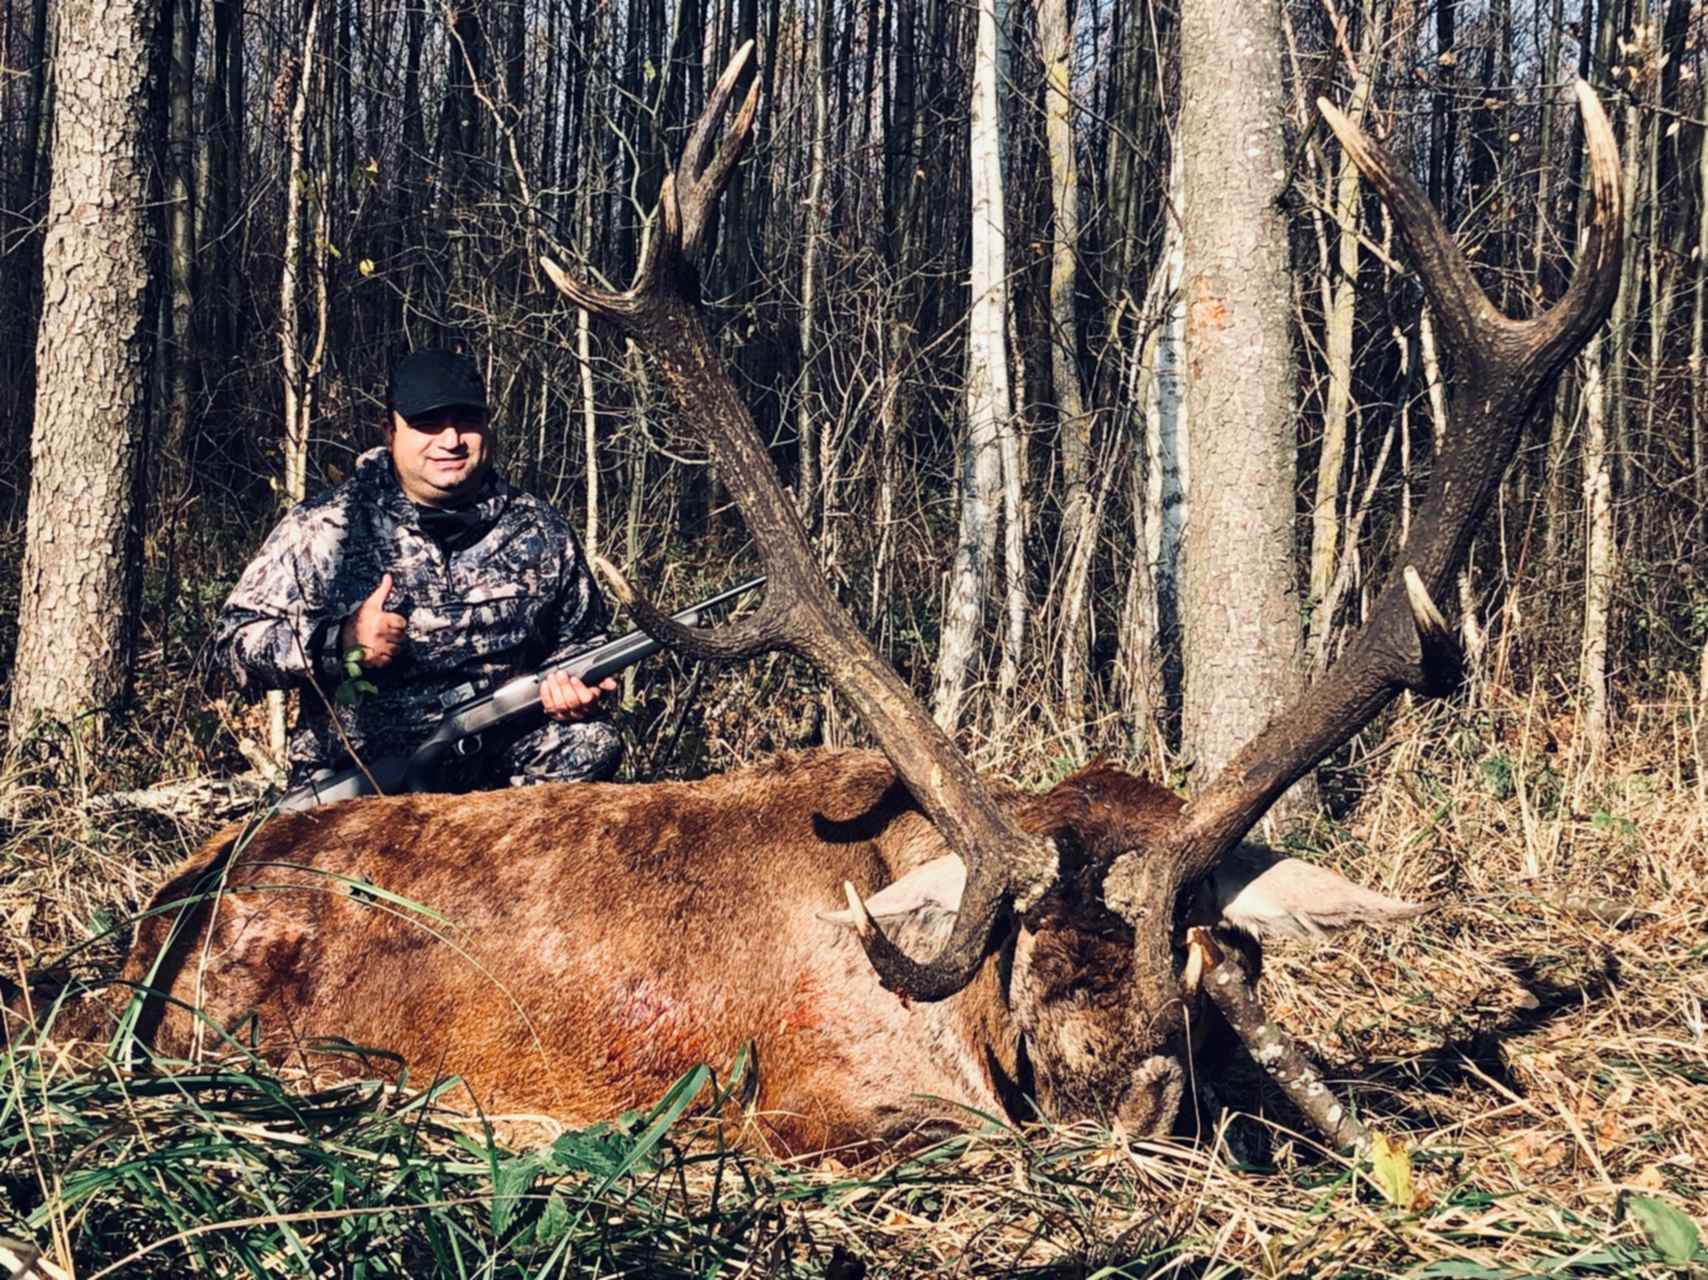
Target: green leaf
511	1183
670	1107
353	661
1462	1269
554	1220
1606	821
1671	1234
1390	1167
597	1150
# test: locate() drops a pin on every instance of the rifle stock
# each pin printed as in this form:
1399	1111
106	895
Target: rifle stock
470	713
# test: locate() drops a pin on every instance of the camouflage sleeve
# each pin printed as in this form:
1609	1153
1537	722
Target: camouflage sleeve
583	750
275	630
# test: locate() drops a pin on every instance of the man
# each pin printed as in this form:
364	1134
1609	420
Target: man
439	574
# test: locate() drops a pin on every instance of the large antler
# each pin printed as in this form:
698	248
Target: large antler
1501	366
660	311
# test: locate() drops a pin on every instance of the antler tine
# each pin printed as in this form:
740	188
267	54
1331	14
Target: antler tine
711	154
946	974
1501	369
686	199
761	631
800	614
598	302
701	141
1580	310
1459	301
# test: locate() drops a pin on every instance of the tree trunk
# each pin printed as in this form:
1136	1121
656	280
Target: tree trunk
1598	559
180	150
807	408
298	373
1337	341
1240	607
225	175
1150	614
987	398
81	574
1698	305
1055	39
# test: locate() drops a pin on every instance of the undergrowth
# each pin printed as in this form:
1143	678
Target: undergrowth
1538	1041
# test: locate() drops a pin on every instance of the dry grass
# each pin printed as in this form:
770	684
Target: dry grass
1539	1041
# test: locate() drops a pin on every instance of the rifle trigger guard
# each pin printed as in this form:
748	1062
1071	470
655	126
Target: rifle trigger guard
466	747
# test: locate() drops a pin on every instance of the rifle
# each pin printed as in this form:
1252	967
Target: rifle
470	713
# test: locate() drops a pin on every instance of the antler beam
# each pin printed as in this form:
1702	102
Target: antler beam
661	312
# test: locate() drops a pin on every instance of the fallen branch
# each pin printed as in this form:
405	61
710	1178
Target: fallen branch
1271	1047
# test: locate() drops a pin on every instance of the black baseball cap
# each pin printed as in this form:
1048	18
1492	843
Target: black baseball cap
427	380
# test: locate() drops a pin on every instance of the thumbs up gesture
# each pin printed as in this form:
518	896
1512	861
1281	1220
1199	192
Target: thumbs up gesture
379	635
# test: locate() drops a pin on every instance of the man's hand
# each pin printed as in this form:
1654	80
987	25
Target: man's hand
379	635
564	697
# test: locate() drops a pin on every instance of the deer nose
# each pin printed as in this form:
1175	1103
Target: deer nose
1152	1099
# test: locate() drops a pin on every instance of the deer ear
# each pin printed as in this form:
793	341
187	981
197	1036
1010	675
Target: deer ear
1269	896
924	901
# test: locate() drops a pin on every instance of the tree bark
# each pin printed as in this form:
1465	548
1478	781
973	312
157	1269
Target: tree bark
180	346
1599	557
987	398
1150	613
1698	307
299	375
1240	608
1078	532
81	575
1337	341
807	409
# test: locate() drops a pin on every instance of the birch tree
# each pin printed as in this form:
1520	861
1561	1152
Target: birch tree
987	394
1055	38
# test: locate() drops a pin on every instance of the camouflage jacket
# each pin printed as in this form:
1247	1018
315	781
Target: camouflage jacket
519	597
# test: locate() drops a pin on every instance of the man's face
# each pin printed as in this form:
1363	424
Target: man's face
441	456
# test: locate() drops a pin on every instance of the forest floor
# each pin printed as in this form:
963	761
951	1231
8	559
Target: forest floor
1538	1042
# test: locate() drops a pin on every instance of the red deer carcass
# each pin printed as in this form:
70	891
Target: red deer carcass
576	948
573	949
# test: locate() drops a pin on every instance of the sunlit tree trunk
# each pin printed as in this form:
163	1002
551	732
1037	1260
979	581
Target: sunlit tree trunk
1337	342
298	370
1055	38
1599	557
987	399
1239	601
81	573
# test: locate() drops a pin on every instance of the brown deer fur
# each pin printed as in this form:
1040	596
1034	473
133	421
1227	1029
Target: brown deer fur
587	944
